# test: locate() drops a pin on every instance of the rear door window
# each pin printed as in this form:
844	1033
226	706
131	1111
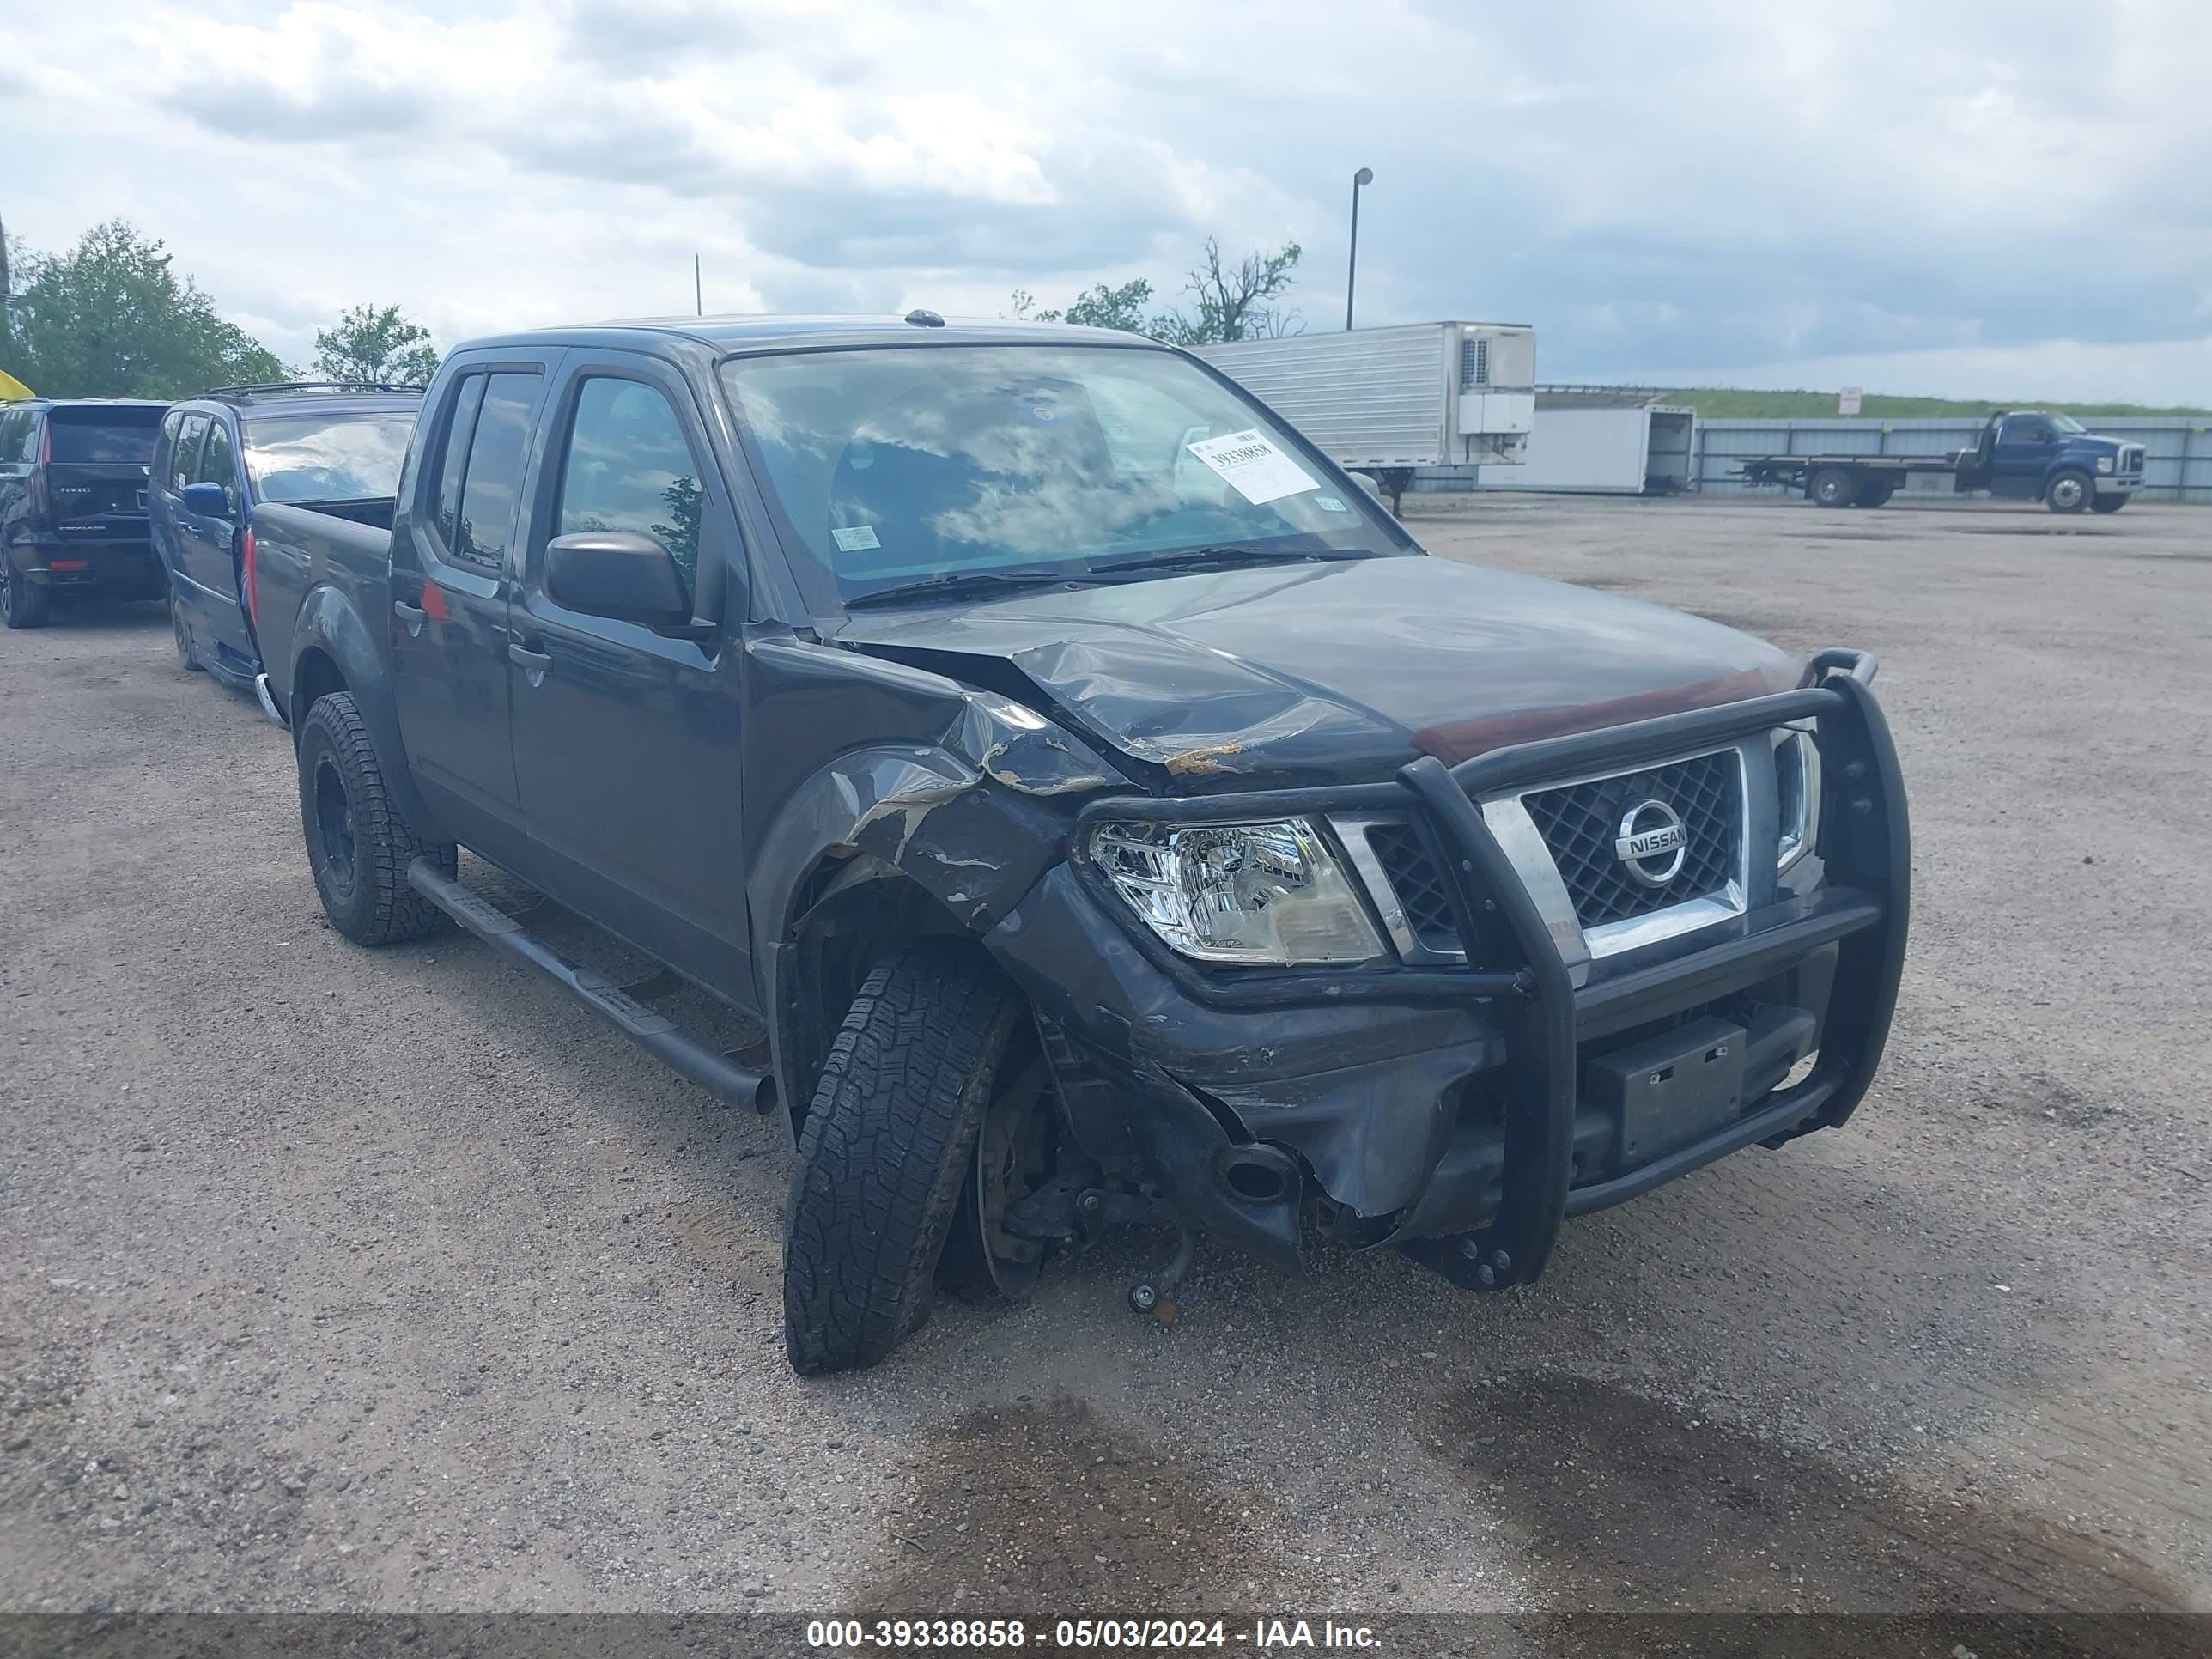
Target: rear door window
461	427
628	466
492	484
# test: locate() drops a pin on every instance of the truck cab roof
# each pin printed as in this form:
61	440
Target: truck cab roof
726	335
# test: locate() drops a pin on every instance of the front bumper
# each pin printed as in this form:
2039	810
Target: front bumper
2122	483
1463	1112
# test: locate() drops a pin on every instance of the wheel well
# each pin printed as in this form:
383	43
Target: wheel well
317	676
853	913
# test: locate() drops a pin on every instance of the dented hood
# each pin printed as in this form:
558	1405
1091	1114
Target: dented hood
1329	672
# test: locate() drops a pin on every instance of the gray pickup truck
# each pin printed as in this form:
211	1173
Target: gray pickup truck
1108	813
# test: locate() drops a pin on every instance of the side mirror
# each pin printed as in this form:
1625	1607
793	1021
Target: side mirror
206	500
616	573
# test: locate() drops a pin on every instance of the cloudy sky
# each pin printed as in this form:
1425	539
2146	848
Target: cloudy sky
2007	198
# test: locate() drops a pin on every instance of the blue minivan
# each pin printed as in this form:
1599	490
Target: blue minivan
334	446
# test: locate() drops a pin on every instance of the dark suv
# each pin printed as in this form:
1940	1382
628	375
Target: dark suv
334	446
73	502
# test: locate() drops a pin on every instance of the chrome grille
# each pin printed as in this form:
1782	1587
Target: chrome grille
1579	822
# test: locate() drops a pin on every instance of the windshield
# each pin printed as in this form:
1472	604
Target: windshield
109	438
327	457
2067	423
892	466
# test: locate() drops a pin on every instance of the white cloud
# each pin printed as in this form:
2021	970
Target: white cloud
1684	186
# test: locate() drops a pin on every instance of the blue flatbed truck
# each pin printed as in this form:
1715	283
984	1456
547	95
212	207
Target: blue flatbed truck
2026	455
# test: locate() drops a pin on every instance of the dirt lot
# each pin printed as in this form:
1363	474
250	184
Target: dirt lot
331	1279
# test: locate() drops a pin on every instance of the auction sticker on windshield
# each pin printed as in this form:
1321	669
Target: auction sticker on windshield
1254	467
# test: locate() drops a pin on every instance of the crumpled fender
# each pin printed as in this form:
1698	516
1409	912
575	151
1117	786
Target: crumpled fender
973	808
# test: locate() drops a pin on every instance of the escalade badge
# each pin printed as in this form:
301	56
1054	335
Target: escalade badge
1652	842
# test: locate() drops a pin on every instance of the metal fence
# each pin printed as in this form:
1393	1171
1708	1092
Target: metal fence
2177	460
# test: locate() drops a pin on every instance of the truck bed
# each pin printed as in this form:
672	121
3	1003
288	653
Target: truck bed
300	548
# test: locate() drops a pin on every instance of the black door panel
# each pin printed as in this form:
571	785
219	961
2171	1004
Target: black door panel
451	587
626	741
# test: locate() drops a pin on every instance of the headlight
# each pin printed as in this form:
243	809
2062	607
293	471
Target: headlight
1797	794
2104	464
1238	892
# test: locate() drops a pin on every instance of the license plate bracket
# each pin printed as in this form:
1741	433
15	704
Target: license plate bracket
1670	1090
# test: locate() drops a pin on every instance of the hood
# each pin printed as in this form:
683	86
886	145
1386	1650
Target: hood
1316	673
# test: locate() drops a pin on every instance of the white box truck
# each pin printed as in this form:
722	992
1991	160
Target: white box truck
1384	401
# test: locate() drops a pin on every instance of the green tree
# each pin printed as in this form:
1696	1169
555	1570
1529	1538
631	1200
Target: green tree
1103	307
1243	301
109	318
1239	301
376	345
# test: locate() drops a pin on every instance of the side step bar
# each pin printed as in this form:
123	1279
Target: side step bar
738	1085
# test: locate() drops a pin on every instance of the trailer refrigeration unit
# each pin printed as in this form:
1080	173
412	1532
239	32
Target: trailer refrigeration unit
1385	401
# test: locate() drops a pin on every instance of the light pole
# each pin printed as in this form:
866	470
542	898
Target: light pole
1364	176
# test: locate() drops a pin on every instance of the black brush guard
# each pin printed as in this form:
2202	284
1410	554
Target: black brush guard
1865	841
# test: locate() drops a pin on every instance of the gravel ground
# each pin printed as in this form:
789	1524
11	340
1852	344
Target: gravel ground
340	1280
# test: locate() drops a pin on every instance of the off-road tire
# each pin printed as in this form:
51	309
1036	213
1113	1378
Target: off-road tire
364	893
22	604
180	635
2108	503
886	1152
1832	486
2070	489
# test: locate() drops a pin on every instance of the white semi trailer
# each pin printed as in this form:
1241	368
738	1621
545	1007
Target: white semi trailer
1385	401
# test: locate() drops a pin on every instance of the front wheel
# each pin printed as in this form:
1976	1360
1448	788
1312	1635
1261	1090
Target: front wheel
2069	490
358	846
1832	486
2107	503
22	605
888	1146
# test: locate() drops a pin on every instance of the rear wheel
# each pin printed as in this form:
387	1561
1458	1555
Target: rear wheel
2069	490
358	846
889	1143
180	632
1832	486
1874	493
2107	503
22	605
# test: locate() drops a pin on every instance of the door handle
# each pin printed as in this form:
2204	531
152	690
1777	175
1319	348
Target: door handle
412	614
533	663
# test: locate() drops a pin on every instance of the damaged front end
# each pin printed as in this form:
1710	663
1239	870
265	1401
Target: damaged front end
1516	1057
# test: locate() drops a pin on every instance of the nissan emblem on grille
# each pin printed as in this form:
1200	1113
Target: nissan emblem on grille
1652	842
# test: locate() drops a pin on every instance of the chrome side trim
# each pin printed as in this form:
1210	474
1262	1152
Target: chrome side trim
1381	893
1522	844
268	703
1796	834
